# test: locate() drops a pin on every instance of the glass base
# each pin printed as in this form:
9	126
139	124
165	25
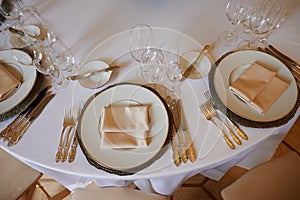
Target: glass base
228	38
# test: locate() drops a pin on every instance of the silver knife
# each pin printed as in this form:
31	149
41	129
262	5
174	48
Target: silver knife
29	118
176	156
181	138
190	146
290	60
88	74
7	133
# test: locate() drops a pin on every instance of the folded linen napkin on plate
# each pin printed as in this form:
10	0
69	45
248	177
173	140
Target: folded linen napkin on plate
8	83
124	126
259	87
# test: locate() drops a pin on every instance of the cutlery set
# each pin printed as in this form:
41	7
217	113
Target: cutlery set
13	133
182	146
208	109
292	65
68	135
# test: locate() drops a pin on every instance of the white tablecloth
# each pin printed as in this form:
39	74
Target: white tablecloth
82	25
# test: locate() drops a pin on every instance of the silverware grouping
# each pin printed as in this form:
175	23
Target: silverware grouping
13	133
208	109
292	65
68	137
182	145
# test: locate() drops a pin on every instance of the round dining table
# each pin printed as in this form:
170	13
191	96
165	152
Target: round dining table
100	30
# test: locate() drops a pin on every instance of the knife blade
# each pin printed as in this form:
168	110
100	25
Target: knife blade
30	117
192	67
290	60
7	133
190	146
88	74
181	138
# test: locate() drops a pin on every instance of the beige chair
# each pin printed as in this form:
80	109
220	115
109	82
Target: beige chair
15	176
92	192
278	179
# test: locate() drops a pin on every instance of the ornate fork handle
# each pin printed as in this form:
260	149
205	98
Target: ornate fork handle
72	152
60	146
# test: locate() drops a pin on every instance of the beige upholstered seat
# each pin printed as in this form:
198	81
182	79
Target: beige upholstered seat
113	193
15	176
278	179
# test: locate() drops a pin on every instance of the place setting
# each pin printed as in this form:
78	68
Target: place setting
34	64
151	78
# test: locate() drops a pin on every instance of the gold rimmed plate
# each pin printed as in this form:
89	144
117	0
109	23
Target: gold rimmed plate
27	75
121	161
229	67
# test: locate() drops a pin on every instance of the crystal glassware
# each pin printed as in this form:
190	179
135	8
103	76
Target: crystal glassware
237	11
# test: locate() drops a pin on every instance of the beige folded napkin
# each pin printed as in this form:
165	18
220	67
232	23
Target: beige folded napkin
8	83
259	87
124	126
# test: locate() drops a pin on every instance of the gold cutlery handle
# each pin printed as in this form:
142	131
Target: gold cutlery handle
19	134
233	135
228	141
176	157
72	152
60	146
224	135
190	147
183	154
67	146
240	132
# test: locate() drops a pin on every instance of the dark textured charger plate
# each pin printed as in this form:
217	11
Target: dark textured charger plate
38	86
133	170
239	119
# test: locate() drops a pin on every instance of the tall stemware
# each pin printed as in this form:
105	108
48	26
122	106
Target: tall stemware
142	49
274	16
237	11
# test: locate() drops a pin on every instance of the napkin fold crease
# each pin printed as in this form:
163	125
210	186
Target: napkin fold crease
124	126
259	87
8	83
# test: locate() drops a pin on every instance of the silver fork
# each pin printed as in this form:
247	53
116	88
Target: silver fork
204	109
213	108
72	152
67	119
67	142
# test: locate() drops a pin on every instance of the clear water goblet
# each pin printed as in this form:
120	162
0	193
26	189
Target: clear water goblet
10	9
174	75
237	11
141	38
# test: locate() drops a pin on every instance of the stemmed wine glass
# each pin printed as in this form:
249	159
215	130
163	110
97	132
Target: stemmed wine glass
237	11
271	21
266	17
142	49
10	9
173	71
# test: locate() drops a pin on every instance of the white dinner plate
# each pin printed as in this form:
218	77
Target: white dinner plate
28	73
124	161
231	66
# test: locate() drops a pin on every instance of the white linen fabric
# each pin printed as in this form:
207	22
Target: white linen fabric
124	126
83	25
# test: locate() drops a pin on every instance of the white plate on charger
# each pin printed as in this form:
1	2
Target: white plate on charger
27	72
233	65
122	159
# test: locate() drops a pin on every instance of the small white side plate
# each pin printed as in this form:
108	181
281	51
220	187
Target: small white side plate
97	80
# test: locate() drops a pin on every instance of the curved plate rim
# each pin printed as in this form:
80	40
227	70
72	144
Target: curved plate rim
125	170
29	76
245	121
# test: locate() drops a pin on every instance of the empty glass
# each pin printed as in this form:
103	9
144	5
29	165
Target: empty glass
141	38
10	9
174	75
237	11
